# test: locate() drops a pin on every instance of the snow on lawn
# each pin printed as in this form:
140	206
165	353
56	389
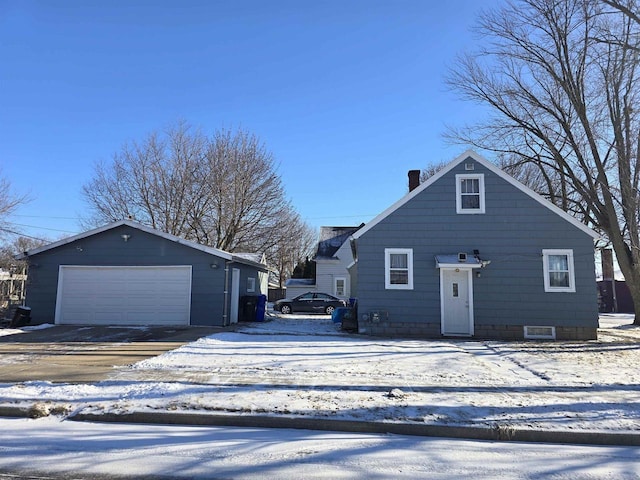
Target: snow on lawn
305	366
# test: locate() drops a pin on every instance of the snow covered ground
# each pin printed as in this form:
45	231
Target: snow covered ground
48	448
306	366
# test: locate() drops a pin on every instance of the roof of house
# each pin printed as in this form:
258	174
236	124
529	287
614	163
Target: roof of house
240	258
489	166
332	238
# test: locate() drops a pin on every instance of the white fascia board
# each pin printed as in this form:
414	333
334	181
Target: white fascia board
490	166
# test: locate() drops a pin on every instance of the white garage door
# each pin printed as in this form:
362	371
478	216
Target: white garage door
124	295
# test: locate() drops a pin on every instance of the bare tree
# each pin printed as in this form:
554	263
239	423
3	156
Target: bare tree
11	250
221	191
294	243
566	103
9	202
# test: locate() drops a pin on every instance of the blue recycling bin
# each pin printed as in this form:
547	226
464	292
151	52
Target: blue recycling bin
339	313
261	308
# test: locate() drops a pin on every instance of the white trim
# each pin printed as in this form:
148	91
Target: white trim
545	268
550	336
491	167
335	286
469	176
470	300
387	268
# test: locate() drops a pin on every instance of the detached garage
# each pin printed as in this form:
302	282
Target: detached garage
128	274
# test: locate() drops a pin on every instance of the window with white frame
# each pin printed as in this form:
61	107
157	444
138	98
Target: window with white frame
559	275
470	193
251	285
339	286
398	268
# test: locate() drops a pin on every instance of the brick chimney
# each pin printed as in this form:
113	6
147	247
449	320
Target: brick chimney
414	179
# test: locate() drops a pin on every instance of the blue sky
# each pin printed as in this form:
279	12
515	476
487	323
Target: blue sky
348	95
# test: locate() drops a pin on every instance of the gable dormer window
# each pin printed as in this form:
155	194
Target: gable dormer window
470	193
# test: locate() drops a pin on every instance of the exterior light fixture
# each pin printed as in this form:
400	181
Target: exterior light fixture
125	237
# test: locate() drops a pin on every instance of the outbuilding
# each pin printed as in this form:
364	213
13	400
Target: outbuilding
126	273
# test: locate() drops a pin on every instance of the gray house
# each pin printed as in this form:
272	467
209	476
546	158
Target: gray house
474	253
126	273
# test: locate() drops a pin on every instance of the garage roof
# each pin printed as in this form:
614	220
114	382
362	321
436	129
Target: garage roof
242	258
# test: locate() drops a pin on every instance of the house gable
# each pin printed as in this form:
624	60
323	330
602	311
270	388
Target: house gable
473	156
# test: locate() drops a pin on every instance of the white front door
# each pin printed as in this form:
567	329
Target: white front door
456	300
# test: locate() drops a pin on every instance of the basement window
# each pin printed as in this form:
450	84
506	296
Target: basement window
540	333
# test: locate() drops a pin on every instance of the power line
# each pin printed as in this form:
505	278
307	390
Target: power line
46	216
41	228
23	235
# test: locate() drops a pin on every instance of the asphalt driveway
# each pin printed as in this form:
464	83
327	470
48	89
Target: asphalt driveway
79	354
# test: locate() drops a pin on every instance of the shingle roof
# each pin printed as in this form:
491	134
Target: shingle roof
332	238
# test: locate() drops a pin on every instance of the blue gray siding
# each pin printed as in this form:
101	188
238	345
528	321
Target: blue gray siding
512	234
142	249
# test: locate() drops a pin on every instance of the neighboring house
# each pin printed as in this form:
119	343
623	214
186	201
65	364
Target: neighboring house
127	273
333	256
474	253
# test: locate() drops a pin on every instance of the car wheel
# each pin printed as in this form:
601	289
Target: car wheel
329	310
285	309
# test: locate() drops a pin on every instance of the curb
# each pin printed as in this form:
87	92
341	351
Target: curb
498	433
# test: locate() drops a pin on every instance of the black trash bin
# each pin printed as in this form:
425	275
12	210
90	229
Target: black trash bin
21	318
248	308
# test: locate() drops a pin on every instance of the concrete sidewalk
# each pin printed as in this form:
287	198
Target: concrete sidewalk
495	433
